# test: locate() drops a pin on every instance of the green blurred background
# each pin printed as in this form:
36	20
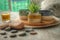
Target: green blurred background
14	5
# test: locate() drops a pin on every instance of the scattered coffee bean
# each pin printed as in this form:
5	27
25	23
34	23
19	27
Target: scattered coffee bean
8	29
14	31
22	34
28	30
5	36
13	35
3	33
33	33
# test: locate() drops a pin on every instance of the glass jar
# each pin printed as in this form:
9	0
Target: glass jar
34	17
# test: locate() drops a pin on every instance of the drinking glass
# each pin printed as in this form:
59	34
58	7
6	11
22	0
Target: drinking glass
5	16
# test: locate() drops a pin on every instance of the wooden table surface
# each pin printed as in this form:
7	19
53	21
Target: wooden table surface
52	33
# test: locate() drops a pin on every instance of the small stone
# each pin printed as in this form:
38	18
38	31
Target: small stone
33	33
3	33
14	31
13	35
22	34
8	29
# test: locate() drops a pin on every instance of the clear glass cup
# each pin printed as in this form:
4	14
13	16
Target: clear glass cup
5	16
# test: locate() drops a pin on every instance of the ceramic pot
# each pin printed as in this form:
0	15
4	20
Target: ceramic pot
34	17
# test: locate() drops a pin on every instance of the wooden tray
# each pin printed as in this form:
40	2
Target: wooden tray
40	25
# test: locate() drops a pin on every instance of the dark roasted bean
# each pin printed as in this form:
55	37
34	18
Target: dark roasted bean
14	31
28	30
3	33
13	35
22	34
5	36
8	29
33	33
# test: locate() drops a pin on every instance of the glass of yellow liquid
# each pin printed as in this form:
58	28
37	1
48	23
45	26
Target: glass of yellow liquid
5	16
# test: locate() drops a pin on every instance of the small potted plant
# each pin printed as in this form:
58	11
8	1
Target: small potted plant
34	15
23	14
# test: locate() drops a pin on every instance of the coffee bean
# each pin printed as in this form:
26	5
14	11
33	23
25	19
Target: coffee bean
8	29
14	31
13	35
33	33
28	30
3	33
22	34
5	36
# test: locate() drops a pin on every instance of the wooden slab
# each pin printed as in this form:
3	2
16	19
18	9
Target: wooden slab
43	24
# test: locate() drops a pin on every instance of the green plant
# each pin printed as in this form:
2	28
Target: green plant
33	7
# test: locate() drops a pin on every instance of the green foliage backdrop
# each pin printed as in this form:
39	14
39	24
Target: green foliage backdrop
15	5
